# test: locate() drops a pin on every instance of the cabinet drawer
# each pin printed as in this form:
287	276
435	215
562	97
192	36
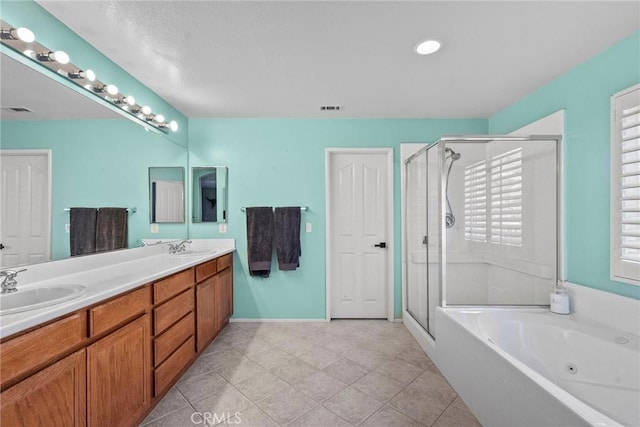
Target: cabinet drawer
110	314
173	366
169	312
206	269
173	285
33	350
170	340
225	261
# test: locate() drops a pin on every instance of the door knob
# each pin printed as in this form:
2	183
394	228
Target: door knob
381	245
1	246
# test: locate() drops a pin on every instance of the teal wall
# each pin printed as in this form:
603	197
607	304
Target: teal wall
98	163
281	162
56	36
584	93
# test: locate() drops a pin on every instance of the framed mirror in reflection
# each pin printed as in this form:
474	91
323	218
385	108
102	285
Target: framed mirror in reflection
166	195
209	196
93	158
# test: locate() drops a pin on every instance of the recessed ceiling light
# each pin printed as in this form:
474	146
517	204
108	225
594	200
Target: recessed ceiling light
427	47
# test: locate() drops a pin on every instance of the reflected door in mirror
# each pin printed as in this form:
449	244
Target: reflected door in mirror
209	194
166	195
25	207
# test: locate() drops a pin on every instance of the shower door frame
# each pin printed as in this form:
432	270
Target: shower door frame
442	211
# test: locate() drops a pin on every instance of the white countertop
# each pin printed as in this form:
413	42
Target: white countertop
105	275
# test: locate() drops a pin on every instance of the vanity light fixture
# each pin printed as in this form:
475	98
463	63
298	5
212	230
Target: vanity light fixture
23	41
428	47
110	89
173	125
80	74
58	56
125	101
20	33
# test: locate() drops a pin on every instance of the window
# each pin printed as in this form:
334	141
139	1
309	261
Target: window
475	202
506	198
625	186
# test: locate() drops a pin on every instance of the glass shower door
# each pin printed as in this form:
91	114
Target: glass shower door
422	237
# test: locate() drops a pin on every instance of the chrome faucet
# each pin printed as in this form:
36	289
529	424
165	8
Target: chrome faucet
174	248
9	281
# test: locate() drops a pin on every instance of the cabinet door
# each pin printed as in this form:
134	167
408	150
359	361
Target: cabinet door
225	296
55	396
206	312
119	375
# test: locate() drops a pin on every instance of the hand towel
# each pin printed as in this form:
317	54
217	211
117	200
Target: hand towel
288	248
111	229
260	240
82	231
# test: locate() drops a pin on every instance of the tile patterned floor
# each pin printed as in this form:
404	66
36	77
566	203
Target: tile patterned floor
344	373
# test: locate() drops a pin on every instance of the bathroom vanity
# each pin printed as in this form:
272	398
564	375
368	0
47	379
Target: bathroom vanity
109	360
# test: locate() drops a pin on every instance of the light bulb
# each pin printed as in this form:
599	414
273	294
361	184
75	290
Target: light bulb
25	34
31	54
21	33
159	118
112	89
60	57
130	100
79	74
427	47
146	110
173	125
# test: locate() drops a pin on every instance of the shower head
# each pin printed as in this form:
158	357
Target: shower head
453	154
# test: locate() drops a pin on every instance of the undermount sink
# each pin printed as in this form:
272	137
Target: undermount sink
194	253
31	299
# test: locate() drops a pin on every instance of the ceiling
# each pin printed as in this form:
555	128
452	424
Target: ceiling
286	59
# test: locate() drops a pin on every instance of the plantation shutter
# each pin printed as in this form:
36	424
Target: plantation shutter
506	198
475	202
626	186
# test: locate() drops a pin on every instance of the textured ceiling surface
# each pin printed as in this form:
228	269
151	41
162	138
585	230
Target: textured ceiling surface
286	59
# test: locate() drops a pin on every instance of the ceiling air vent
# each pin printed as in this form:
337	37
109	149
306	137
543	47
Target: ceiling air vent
17	109
330	107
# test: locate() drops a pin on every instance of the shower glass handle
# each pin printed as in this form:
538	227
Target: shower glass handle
381	245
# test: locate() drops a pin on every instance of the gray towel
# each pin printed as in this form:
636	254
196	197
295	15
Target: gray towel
111	229
288	247
82	231
260	240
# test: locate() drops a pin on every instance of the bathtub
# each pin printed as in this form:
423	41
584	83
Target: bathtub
529	367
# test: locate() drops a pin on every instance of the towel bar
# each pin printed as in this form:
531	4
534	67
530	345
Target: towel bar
302	208
130	210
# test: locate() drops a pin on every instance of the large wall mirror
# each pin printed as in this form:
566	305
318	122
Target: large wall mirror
209	195
166	195
92	157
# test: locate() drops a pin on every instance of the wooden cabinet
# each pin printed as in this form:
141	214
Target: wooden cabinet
28	352
55	396
224	296
207	318
108	364
214	299
173	328
118	375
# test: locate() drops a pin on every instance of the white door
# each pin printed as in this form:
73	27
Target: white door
25	210
359	246
169	201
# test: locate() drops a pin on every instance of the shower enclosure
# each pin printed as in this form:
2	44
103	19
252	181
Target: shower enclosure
481	223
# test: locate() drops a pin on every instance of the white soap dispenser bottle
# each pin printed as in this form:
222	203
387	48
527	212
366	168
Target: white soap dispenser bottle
559	300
